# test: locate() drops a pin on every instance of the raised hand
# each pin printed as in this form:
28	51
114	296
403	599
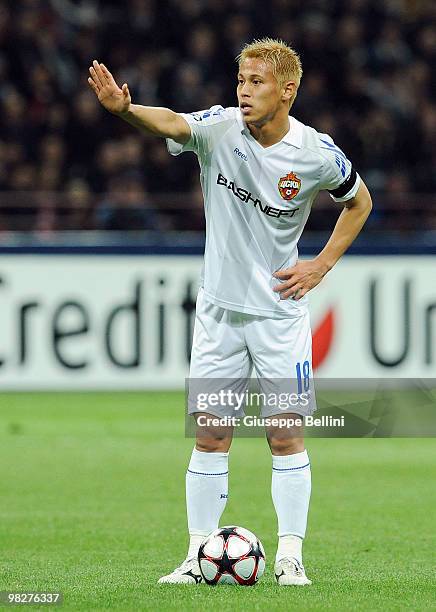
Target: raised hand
103	84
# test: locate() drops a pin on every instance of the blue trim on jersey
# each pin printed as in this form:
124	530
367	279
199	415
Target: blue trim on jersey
207	474
300	467
340	162
343	170
334	147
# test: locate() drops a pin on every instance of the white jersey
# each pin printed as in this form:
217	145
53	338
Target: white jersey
257	201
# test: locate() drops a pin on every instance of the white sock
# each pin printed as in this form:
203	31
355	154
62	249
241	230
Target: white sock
290	546
194	545
290	489
206	494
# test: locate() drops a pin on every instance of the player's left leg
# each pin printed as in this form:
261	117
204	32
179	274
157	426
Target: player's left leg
281	351
290	490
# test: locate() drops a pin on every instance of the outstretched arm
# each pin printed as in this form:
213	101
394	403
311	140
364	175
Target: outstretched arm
306	275
151	120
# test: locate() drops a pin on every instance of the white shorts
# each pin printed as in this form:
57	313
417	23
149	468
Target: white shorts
226	346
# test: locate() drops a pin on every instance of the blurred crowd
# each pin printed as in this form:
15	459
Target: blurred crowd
369	81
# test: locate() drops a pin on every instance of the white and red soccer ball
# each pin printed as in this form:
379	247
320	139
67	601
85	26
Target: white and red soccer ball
231	555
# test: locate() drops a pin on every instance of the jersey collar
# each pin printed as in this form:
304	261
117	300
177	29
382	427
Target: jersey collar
293	137
295	133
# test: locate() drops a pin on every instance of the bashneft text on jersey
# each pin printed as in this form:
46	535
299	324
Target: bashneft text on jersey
245	196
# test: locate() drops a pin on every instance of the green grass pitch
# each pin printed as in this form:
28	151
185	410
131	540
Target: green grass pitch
92	504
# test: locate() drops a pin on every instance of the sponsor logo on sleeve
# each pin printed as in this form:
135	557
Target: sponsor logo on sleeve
215	111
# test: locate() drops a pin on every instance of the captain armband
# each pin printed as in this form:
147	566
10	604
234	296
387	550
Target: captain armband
346	186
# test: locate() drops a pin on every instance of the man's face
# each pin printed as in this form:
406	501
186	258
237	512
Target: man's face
258	91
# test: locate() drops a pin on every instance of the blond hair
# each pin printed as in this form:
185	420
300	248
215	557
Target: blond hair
284	61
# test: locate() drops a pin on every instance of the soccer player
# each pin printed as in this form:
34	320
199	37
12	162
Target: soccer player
261	170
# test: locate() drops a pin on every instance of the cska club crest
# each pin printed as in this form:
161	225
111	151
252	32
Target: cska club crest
289	186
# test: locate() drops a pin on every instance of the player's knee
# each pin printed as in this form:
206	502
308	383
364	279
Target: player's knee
285	446
213	445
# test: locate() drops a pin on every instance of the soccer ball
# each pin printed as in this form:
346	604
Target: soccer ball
231	555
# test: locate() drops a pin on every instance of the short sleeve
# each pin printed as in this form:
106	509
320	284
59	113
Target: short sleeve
207	127
175	148
338	176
